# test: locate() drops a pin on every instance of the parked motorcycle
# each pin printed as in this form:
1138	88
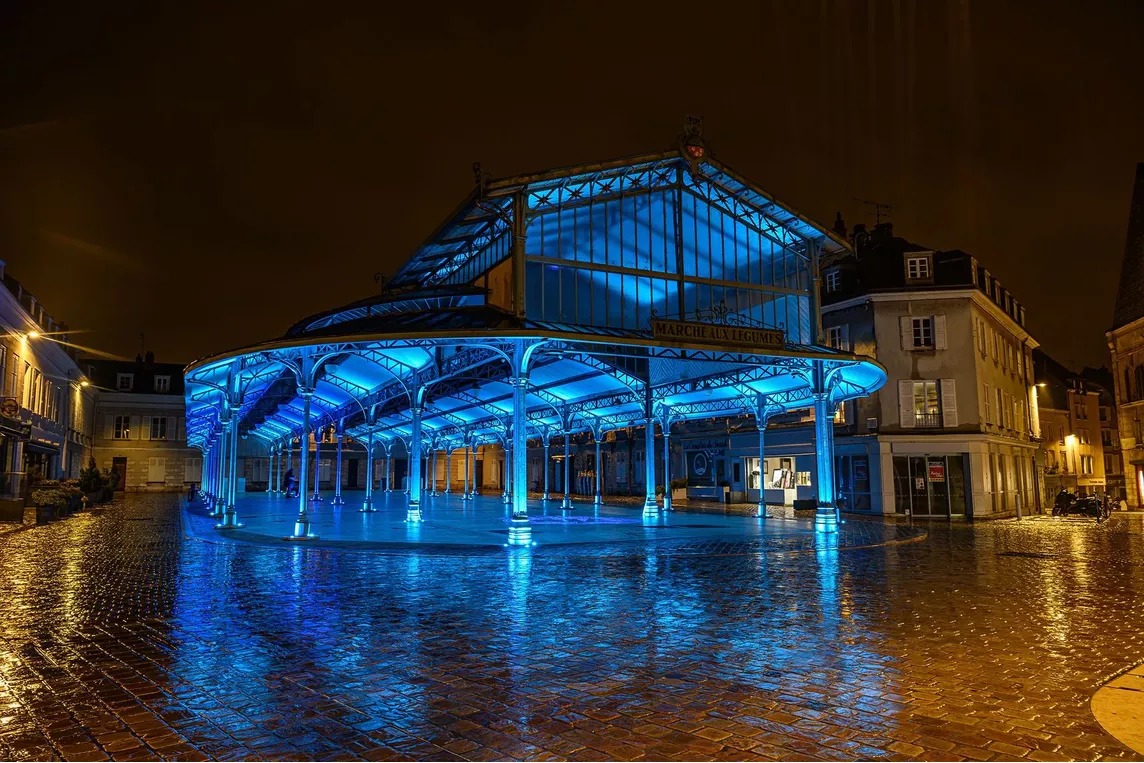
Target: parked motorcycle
1086	505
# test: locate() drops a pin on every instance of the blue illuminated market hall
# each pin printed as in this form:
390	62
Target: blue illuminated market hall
634	295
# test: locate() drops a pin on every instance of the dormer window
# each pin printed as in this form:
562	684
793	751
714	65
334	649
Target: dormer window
833	280
162	383
124	382
918	268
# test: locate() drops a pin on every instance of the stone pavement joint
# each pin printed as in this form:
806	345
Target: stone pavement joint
126	639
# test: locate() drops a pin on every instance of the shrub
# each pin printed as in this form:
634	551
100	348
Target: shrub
90	478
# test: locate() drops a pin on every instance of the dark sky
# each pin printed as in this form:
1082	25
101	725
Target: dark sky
210	173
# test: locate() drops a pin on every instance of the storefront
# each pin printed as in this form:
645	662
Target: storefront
931	485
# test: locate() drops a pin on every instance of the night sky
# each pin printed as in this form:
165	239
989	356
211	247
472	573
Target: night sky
209	176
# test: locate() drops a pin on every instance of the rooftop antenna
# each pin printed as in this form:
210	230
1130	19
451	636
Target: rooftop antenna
877	207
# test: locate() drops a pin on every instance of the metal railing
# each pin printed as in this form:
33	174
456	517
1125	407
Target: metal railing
927	419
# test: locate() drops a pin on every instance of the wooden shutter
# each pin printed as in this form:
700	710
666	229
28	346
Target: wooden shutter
906	325
145	434
988	405
906	403
108	426
135	427
172	422
939	332
156	469
948	403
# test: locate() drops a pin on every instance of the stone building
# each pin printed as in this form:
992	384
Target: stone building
1079	451
46	405
1126	343
953	432
140	424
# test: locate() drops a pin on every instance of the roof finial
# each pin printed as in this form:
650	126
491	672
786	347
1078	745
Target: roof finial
691	143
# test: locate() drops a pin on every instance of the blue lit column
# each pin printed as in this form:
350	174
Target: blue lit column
506	471
596	433
389	467
223	446
319	433
367	504
547	467
762	413
465	496
340	434
302	529
448	467
651	506
230	516
280	449
413	512
666	460
826	518
567	503
433	472
520	533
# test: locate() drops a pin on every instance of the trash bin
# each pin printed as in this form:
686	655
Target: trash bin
45	514
726	494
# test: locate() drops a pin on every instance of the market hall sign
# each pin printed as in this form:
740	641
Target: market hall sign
746	336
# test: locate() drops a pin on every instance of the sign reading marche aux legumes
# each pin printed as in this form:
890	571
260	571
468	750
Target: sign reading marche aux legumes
746	336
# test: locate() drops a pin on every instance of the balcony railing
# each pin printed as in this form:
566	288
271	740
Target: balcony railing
927	420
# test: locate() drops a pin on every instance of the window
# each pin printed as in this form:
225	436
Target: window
1064	461
988	405
917	268
1109	465
927	404
981	328
122	428
124	382
838	337
1082	435
923	332
833	280
162	383
1000	408
159	428
1106	438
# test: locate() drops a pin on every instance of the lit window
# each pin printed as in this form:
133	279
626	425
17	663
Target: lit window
917	267
927	405
923	332
124	382
122	428
162	383
833	280
159	428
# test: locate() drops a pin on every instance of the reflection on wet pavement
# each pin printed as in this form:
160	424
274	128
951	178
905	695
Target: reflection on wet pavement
124	638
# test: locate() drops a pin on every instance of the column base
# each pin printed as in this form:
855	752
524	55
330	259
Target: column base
302	530
338	500
650	507
667	503
761	512
316	498
413	513
826	519
566	504
520	532
367	505
546	497
229	520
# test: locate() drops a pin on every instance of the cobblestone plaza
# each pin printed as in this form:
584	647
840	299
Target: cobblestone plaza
128	635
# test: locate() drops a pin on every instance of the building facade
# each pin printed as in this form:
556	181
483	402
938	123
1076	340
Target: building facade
140	424
1126	344
1080	449
954	431
46	404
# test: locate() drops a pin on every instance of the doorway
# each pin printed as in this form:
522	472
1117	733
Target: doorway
353	464
119	464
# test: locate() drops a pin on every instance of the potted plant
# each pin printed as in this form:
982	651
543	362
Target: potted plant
91	483
49	499
74	494
110	482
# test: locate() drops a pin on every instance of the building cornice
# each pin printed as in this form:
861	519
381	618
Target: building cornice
971	294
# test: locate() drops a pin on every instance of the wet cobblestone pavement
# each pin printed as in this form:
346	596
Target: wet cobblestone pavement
122	638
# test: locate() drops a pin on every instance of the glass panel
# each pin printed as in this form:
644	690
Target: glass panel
937	477
902	490
919	490
955	474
